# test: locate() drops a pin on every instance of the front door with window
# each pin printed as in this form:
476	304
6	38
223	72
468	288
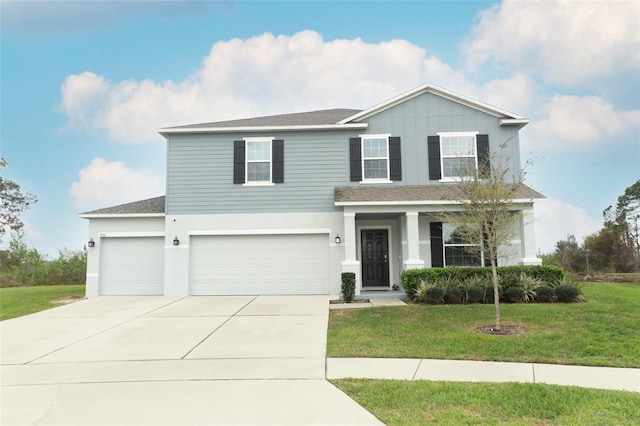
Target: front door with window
375	258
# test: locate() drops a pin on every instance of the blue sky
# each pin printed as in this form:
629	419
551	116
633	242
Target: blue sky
85	86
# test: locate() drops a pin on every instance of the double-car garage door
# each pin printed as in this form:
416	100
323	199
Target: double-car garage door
220	265
259	264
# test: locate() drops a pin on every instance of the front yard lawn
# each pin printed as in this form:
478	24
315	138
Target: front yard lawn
398	402
601	332
18	301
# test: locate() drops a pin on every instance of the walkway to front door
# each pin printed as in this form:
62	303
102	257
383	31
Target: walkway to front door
375	258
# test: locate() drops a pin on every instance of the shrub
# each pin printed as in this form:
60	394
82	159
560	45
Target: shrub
434	295
514	295
566	293
488	293
474	295
544	294
348	286
453	295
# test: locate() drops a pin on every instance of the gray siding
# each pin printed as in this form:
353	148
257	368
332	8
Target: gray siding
200	166
200	174
428	114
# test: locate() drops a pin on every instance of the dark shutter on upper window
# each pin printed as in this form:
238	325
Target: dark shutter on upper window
437	256
395	158
355	155
433	145
484	158
238	161
277	156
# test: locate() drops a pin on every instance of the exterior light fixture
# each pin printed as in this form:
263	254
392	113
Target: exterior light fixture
91	243
176	241
338	240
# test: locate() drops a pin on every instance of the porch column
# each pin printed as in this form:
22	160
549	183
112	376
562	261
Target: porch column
528	239
350	262
413	242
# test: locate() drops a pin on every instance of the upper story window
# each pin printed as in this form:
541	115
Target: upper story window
375	159
258	161
455	155
458	154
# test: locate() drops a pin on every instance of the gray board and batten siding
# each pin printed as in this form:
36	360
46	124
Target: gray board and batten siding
200	165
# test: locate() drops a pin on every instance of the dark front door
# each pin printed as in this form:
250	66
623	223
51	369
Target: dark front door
375	258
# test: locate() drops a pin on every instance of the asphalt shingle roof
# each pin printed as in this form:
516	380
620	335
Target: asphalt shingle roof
327	116
445	192
149	206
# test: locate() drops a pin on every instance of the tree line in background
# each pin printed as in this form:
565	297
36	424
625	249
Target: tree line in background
615	248
24	266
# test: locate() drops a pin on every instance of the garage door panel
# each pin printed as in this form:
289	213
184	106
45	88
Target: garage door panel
132	266
259	264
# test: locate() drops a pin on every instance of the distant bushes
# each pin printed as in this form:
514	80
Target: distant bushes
517	284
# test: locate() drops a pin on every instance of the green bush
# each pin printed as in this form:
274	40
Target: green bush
454	295
544	294
514	295
488	294
348	286
509	275
474	295
567	293
434	295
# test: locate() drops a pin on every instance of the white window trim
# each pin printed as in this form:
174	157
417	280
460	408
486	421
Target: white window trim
247	182
362	158
442	156
444	252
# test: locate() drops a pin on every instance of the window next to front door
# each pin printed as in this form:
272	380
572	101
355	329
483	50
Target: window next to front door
375	258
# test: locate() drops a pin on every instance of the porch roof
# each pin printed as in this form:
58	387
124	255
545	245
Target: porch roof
424	194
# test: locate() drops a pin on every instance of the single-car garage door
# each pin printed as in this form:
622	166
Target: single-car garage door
132	266
259	264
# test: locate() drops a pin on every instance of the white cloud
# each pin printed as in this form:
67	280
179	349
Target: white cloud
554	220
103	183
270	74
579	123
567	42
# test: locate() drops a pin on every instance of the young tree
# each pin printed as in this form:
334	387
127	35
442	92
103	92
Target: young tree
12	203
486	218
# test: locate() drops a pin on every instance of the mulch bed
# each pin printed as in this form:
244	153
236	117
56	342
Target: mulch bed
505	329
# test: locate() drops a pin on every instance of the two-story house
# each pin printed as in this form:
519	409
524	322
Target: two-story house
283	204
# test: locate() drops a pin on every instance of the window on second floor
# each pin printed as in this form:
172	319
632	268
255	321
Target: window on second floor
258	161
375	159
459	154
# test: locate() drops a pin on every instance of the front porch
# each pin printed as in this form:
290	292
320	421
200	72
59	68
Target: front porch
391	229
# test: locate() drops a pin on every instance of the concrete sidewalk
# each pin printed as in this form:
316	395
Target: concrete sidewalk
625	379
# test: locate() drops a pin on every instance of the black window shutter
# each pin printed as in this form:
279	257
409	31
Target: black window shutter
277	156
395	158
433	145
355	154
484	158
437	260
238	161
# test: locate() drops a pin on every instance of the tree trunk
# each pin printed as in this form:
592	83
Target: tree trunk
496	295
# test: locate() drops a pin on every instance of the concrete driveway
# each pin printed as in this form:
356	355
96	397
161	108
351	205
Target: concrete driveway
157	360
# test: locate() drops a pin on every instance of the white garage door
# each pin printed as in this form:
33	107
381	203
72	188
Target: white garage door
132	266
259	264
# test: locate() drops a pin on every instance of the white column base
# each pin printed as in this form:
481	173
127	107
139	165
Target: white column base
533	261
413	264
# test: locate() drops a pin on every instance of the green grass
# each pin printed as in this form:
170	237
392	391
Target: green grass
602	332
397	402
18	301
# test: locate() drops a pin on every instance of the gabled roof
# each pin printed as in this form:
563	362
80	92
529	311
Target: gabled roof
327	118
149	207
424	194
506	116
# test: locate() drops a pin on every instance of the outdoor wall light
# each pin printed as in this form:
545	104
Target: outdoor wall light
91	243
338	240
176	241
